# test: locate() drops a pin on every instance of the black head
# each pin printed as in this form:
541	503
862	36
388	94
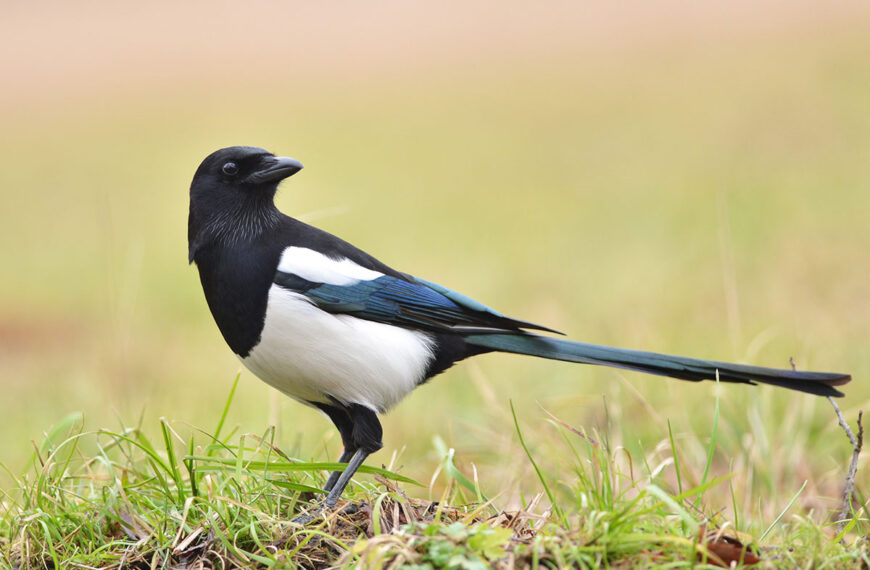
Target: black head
243	169
232	193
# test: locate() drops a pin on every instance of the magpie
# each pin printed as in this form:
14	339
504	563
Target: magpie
334	328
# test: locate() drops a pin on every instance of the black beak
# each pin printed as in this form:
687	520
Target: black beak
274	169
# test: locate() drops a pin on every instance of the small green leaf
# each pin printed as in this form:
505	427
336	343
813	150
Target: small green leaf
490	542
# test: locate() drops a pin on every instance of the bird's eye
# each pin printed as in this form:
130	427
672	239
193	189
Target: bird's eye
230	169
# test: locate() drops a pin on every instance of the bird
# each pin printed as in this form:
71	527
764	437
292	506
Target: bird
334	328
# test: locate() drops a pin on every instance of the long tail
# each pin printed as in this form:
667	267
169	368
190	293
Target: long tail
684	368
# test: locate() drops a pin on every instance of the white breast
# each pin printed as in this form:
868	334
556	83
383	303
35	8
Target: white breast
312	355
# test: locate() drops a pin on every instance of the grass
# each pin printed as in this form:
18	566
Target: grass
194	498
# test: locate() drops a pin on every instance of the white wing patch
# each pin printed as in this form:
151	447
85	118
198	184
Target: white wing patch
318	268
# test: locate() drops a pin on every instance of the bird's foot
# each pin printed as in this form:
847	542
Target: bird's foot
302	519
306	518
347	509
352	508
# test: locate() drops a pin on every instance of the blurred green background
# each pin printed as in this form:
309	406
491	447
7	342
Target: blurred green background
685	179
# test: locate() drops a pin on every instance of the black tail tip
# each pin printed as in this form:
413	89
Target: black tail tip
839	381
818	383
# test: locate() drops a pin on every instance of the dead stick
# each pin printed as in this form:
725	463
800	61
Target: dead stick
857	443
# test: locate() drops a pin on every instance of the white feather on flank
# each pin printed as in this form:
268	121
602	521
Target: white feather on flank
310	354
318	268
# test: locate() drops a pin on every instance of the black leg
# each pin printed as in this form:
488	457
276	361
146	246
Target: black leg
333	477
361	434
342	420
358	458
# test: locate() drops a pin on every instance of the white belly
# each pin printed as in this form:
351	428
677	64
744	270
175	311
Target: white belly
312	355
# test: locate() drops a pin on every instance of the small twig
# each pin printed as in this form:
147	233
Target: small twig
857	443
568	426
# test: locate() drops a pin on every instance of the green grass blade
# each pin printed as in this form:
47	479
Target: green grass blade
712	448
676	457
61	429
453	471
290	486
172	460
555	506
225	412
253	466
674	506
190	466
782	514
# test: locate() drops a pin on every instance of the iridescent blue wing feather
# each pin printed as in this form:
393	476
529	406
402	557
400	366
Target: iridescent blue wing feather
409	303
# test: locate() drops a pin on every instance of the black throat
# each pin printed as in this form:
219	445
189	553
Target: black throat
228	239
228	220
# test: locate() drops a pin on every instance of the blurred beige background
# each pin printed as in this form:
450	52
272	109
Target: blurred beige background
679	177
90	50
